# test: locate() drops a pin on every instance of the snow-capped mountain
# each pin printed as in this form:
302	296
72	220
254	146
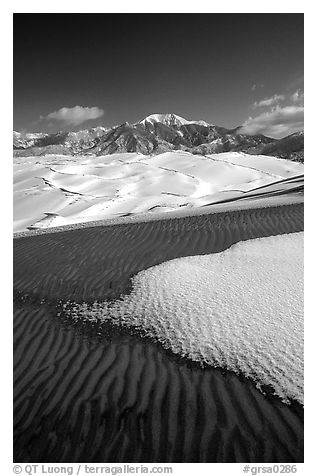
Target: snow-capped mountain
156	134
24	140
171	120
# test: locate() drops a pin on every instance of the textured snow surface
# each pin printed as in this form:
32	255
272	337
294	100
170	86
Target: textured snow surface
57	190
241	309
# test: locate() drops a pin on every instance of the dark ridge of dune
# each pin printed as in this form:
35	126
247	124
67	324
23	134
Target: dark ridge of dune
77	399
97	263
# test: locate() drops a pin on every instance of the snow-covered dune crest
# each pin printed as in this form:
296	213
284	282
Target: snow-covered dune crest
241	309
57	190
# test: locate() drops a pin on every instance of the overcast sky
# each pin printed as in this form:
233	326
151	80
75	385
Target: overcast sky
73	71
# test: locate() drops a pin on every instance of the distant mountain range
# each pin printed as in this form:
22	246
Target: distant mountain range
156	134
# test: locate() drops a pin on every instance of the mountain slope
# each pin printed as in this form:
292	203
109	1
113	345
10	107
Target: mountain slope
25	144
171	120
290	147
154	135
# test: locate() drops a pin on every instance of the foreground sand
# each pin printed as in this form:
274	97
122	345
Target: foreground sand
81	396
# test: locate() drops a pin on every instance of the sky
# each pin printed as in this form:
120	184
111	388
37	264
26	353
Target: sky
73	71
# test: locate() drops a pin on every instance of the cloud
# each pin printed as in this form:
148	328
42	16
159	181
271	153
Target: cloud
278	122
298	97
256	86
272	101
75	115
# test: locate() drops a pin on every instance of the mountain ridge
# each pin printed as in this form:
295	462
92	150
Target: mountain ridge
156	134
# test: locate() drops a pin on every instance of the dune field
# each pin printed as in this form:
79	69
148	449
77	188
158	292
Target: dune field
100	377
52	191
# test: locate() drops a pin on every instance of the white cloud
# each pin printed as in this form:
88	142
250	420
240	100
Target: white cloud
298	97
272	101
75	115
277	123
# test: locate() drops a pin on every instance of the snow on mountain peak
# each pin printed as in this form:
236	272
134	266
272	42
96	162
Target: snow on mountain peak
171	120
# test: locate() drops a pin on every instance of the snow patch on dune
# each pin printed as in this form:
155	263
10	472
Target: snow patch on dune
241	309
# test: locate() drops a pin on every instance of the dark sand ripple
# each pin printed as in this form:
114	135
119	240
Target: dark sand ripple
123	399
79	399
97	263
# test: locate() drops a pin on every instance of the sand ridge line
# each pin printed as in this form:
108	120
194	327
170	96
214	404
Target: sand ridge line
228	205
97	263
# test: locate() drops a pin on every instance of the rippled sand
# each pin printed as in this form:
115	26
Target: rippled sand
123	398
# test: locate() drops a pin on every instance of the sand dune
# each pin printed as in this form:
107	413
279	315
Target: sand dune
240	309
125	400
84	396
262	163
98	262
59	190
